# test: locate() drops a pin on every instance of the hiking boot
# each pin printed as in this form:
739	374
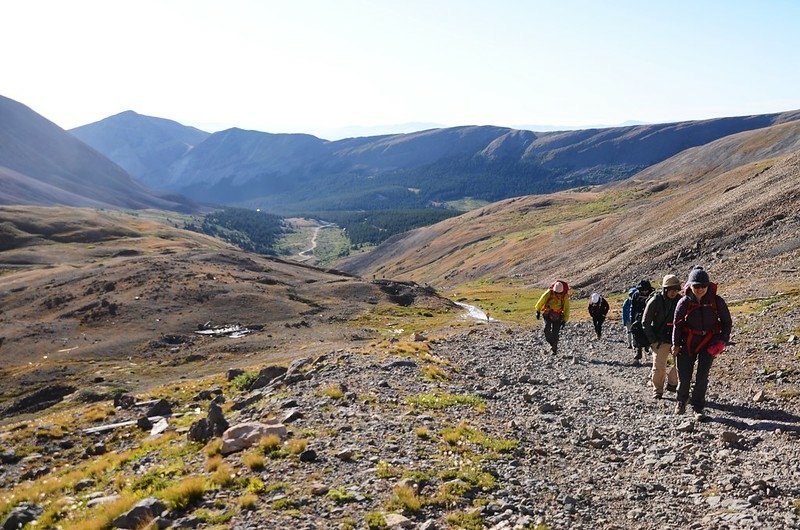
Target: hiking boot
657	395
697	409
638	355
680	408
672	388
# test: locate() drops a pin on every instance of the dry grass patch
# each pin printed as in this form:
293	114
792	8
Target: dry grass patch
185	493
100	517
295	446
213	447
213	463
223	476
248	502
269	443
405	498
434	373
254	461
333	391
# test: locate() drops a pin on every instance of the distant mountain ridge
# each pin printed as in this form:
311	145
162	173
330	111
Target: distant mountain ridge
41	164
299	172
127	137
727	204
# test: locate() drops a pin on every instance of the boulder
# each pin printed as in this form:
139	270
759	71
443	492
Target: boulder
245	435
21	515
144	511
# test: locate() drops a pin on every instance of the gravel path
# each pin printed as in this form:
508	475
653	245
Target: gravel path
595	450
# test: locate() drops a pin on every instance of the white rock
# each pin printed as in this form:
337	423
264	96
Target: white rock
245	435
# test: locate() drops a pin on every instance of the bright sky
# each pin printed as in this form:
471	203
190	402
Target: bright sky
317	65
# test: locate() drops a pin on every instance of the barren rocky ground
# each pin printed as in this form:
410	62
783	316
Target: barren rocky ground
480	429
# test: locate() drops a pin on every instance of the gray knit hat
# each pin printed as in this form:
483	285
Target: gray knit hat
698	276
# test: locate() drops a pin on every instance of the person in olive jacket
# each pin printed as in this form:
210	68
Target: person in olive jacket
657	325
701	332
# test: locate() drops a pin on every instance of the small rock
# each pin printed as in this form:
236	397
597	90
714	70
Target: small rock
686	426
84	484
233	373
730	437
318	489
144	423
395	520
309	455
102	500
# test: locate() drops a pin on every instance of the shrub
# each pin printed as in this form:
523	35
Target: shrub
422	432
466	520
243	381
406	498
340	496
375	521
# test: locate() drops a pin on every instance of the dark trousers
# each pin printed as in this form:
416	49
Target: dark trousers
598	324
685	368
551	332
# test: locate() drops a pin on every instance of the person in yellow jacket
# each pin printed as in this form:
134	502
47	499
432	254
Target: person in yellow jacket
553	305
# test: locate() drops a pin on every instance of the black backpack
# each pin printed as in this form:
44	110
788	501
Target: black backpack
637	329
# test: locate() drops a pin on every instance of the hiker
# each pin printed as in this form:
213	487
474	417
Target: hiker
598	309
657	324
553	305
627	318
643	291
701	332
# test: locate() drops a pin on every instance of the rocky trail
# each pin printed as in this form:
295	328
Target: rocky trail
487	429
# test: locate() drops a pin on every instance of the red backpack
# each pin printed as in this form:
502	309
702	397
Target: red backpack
705	336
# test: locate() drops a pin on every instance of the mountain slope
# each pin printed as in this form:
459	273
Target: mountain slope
81	286
141	145
732	201
295	172
42	164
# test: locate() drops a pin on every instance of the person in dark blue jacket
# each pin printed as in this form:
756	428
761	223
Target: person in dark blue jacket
627	318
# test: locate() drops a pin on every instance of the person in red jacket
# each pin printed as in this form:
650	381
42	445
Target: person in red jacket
598	309
702	329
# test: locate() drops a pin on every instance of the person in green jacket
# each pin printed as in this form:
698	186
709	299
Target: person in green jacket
553	305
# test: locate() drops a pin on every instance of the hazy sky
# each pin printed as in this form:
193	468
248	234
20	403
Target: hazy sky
313	66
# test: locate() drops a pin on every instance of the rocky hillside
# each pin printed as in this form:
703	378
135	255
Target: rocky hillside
104	295
41	164
484	429
729	205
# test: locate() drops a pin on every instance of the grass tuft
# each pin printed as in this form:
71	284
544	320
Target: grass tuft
254	461
185	493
